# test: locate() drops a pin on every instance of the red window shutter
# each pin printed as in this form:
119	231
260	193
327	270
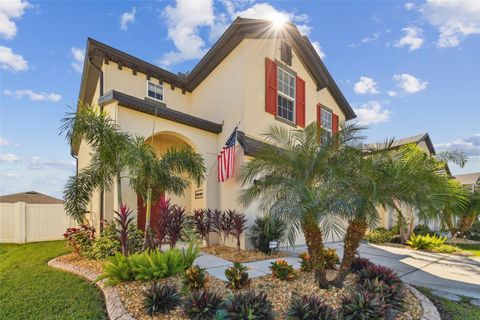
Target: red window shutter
334	123
300	102
270	86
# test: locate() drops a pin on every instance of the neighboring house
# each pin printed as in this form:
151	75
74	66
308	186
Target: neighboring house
387	216
256	75
32	216
471	181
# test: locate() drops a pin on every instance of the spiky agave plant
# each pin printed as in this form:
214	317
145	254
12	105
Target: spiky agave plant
202	305
160	299
249	305
309	307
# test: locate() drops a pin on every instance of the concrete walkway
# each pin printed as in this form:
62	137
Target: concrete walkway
216	266
448	275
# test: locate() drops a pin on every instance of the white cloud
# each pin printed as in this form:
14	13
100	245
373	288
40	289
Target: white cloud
9	60
9	175
366	85
4	142
33	96
410	84
184	21
78	56
35	162
11	10
391	93
8	157
413	39
455	20
409	5
371	38
318	48
371	112
126	18
469	145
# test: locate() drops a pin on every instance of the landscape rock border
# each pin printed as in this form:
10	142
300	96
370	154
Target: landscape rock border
115	308
430	312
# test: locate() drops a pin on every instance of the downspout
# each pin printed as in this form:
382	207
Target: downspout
102	192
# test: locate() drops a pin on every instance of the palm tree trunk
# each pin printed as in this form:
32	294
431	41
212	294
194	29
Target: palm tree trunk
314	241
148	213
355	232
466	222
119	190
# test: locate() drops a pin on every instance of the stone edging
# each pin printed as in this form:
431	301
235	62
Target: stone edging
430	312
115	308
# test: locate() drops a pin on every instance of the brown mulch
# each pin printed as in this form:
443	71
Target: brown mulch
78	260
279	293
234	255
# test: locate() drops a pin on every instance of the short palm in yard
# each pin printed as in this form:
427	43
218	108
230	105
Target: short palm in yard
29	289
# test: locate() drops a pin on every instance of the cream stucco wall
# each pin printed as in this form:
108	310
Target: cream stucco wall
232	93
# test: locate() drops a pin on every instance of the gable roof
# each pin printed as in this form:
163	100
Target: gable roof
401	142
30	197
468	178
240	29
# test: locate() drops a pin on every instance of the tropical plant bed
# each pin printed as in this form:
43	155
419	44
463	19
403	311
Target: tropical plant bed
79	261
279	293
235	255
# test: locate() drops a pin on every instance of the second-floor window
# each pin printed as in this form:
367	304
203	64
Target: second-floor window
286	95
327	125
154	91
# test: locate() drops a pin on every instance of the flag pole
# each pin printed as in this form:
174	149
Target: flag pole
213	165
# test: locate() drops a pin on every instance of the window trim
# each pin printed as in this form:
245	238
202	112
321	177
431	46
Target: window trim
285	96
155	84
329	130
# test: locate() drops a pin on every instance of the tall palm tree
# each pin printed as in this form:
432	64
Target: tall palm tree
171	172
386	179
289	177
95	128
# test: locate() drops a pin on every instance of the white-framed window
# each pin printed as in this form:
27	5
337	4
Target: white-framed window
285	95
154	91
327	124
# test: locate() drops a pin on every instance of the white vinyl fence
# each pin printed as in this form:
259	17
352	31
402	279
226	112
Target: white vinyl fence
23	222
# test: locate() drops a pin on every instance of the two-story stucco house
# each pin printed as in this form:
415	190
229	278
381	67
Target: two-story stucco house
256	74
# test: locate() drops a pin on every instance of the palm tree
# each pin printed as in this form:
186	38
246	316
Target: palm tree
172	172
386	179
289	177
93	127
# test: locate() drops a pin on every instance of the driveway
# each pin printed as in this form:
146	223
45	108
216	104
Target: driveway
447	275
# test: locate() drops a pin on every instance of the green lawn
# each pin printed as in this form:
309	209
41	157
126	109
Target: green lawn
29	289
451	310
470	247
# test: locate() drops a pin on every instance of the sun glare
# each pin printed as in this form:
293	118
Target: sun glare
278	20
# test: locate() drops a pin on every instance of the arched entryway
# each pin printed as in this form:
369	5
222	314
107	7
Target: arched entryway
162	142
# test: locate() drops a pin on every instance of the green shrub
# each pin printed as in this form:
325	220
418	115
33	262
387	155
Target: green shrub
107	244
445	248
265	229
427	242
237	276
362	305
423	230
81	240
282	270
118	269
190	254
161	299
381	235
202	305
148	265
249	305
391	294
135	239
309	308
194	278
474	232
305	262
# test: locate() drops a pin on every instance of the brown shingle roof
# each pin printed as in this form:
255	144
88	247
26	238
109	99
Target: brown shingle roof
30	197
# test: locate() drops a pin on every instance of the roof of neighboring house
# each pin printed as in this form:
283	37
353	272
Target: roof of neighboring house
30	197
468	178
160	110
240	29
401	142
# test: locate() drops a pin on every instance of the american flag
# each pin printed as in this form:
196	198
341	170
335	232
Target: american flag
226	158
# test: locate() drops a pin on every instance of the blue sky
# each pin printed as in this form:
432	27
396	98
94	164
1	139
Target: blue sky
406	67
